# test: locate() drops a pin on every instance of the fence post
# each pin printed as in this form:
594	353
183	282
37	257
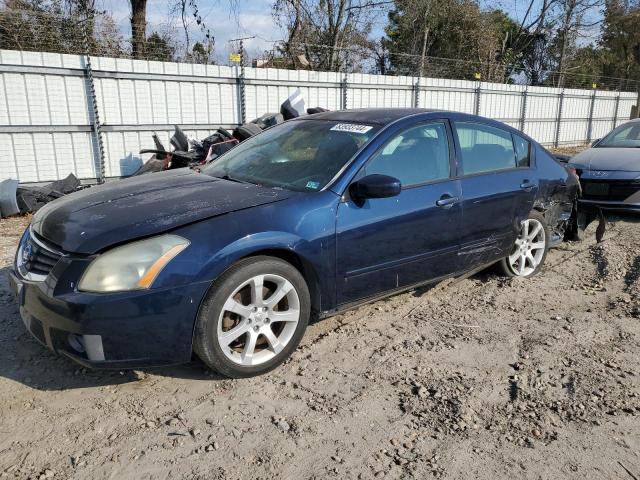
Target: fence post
615	114
241	95
94	117
638	104
591	110
559	119
478	93
343	90
523	110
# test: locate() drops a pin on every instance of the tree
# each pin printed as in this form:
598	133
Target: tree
449	29
138	27
69	26
620	41
158	47
572	20
326	34
201	53
189	15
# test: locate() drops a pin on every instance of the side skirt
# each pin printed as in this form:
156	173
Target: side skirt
458	277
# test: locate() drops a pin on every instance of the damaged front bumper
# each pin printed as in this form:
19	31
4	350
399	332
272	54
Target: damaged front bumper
122	330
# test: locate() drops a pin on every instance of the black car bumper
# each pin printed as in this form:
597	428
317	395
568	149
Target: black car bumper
122	330
609	205
621	194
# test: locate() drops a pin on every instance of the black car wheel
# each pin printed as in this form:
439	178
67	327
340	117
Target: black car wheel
253	317
530	248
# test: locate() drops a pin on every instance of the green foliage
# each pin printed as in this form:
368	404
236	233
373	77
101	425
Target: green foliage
158	47
620	43
450	29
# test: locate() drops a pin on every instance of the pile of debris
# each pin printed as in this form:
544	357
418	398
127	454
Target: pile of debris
192	153
15	199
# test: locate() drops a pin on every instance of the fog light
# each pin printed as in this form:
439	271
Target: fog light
75	342
89	344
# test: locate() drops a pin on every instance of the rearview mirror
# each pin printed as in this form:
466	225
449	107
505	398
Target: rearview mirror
375	186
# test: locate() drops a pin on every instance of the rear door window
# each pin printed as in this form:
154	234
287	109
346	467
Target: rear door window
415	156
484	148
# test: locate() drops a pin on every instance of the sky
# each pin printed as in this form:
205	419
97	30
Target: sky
254	17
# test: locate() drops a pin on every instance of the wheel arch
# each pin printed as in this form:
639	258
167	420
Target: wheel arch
301	264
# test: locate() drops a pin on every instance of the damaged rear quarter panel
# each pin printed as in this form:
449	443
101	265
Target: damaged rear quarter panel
557	193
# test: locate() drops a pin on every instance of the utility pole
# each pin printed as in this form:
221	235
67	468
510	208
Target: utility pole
241	78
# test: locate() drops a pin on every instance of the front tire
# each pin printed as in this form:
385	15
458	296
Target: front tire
530	248
253	317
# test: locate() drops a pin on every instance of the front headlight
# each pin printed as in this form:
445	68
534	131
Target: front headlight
133	266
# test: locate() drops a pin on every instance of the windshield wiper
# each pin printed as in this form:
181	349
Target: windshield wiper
226	176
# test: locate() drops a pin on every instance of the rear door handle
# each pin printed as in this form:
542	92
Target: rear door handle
447	201
527	185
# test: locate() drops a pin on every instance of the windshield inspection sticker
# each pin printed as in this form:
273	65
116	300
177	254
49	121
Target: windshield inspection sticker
313	185
350	127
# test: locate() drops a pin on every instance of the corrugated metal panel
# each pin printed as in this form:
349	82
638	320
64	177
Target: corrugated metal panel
46	114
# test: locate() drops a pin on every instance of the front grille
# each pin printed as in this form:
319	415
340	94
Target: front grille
37	257
611	190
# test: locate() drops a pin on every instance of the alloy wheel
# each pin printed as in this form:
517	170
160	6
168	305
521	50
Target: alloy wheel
258	320
529	248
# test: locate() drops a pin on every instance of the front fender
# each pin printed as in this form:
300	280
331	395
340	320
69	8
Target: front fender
246	246
304	229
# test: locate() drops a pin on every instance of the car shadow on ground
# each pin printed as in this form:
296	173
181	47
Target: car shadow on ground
25	361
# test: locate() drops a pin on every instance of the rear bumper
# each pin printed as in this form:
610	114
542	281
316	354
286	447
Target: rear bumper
123	330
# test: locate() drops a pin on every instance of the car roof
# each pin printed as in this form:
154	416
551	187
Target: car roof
386	116
377	116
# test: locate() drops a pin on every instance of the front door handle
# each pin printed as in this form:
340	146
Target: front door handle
527	185
447	201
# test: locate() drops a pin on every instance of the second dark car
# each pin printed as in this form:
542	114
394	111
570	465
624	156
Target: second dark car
308	218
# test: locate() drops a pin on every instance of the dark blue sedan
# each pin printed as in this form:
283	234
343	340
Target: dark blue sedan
306	219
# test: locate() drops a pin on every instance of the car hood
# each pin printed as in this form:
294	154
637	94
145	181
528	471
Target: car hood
605	158
95	218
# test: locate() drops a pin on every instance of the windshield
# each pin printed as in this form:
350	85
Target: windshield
301	155
626	136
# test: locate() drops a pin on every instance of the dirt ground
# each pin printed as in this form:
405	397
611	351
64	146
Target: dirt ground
485	378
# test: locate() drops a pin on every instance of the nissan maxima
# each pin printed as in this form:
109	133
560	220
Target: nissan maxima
310	217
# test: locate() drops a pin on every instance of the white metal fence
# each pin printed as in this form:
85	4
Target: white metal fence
53	105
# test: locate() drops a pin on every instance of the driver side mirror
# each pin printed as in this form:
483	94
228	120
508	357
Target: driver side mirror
374	186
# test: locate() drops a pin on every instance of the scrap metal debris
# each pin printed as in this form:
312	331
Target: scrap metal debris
186	152
192	153
32	198
8	205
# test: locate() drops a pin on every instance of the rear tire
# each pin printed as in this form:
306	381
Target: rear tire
253	317
529	250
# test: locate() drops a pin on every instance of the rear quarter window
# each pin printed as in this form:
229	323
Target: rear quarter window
523	151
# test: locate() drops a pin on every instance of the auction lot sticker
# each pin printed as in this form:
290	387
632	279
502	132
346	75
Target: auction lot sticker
351	127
